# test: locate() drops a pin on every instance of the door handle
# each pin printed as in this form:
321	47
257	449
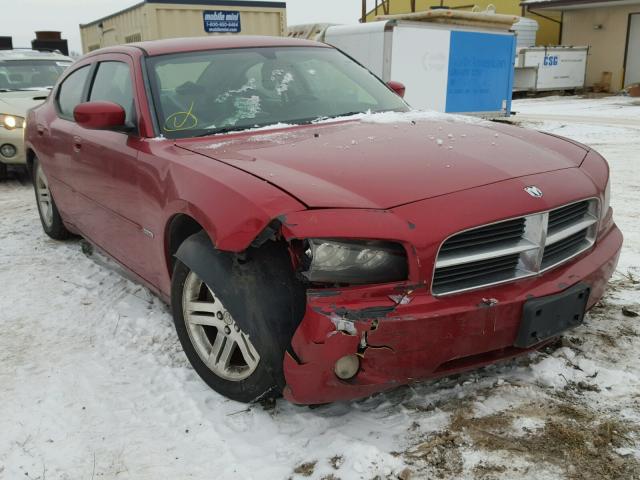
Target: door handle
77	143
40	129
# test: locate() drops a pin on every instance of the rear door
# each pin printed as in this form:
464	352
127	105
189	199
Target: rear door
58	151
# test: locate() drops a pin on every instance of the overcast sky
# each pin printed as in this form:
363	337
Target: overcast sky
20	18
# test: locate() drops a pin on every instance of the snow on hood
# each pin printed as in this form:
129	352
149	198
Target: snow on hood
369	117
278	132
384	160
411	116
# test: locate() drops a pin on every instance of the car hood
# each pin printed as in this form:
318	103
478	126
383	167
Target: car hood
386	160
18	103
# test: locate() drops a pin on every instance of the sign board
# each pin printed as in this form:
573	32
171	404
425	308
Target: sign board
222	21
558	68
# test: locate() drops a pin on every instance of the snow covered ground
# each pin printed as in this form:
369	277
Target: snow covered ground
93	383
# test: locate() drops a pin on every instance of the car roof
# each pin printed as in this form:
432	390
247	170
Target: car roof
194	44
28	54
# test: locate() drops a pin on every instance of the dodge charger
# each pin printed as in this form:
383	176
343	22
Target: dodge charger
314	236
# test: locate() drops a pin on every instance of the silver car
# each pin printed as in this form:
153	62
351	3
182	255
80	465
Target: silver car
26	76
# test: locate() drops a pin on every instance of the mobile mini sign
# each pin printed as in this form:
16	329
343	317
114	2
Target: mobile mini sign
222	21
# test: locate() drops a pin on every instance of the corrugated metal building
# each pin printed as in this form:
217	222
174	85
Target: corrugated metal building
157	19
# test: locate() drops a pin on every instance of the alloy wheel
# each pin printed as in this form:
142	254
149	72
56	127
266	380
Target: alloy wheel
219	341
44	197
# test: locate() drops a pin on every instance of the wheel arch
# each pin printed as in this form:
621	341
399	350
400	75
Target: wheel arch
179	228
237	238
31	156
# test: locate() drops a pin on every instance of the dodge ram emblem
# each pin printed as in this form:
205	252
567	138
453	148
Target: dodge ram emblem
535	192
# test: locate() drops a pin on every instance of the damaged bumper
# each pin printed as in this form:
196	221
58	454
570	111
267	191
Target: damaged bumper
403	333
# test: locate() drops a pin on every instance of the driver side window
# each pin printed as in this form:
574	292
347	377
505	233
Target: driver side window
71	90
113	83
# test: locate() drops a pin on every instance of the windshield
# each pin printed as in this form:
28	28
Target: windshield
201	93
30	74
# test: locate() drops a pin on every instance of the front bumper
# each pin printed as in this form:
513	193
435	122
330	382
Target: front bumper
428	337
13	137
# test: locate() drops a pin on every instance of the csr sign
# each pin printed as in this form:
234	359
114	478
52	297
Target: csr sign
550	60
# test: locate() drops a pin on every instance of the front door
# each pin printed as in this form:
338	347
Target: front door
107	161
632	70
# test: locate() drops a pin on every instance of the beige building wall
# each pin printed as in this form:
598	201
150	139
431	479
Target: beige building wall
154	21
607	43
548	32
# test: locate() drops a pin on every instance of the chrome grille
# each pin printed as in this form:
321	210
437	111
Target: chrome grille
567	247
566	215
491	234
495	269
514	248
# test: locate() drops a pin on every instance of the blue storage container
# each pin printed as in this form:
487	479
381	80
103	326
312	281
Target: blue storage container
448	68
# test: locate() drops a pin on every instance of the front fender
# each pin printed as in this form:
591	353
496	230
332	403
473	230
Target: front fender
231	205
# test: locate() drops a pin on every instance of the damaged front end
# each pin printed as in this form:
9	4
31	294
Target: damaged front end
367	277
398	334
335	345
360	336
370	322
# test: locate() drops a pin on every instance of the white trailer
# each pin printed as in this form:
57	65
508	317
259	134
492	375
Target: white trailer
445	67
551	68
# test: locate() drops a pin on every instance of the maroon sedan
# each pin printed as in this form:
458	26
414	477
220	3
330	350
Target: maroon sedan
314	236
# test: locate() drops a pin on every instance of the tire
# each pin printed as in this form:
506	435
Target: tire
47	210
4	171
258	300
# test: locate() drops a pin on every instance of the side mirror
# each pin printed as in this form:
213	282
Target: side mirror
397	87
100	116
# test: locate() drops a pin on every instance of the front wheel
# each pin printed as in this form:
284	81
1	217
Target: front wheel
236	314
47	209
226	350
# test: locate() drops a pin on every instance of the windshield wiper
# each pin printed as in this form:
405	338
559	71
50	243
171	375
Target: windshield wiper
347	114
235	128
301	121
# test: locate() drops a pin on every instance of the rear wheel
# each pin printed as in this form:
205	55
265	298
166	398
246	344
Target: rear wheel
47	209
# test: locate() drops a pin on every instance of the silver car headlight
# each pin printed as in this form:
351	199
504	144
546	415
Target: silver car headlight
11	122
353	261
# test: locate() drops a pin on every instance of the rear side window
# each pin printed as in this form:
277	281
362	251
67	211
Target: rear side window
71	90
113	84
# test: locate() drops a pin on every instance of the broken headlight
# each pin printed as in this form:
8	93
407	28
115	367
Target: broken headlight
353	261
